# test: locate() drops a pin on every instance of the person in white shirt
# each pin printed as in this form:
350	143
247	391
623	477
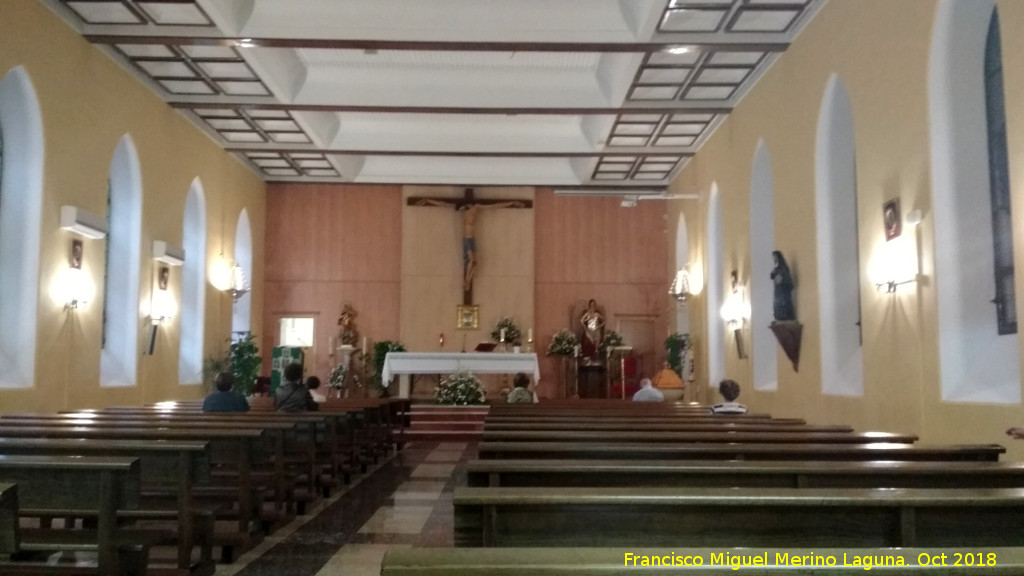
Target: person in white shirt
313	384
648	393
730	391
521	393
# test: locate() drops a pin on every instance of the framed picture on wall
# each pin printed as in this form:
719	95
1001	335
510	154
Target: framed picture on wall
467	317
892	219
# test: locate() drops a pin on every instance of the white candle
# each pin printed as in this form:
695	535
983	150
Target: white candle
529	334
364	345
502	334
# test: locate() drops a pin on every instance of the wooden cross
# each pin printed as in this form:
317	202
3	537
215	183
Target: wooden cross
468	207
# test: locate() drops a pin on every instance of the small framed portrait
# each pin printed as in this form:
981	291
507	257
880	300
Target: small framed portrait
467	317
892	219
77	249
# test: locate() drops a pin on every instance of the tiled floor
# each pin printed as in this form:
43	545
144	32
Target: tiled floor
406	502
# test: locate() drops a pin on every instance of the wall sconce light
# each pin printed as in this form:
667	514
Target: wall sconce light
734	312
895	262
77	287
163	307
220	273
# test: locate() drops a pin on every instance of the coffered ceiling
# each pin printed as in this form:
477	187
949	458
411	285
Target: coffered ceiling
593	94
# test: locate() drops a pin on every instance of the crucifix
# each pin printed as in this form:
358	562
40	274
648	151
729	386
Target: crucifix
468	207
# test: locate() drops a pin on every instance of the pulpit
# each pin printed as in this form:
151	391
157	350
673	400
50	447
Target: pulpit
592	381
621	373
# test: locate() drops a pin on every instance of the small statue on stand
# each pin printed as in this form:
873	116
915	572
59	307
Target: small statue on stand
783	301
593	331
347	328
785	327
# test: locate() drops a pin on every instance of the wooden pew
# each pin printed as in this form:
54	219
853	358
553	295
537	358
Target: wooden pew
325	430
281	434
170	472
654	437
727	451
10	532
713	561
738	517
240	448
749	474
674	426
652	419
66	486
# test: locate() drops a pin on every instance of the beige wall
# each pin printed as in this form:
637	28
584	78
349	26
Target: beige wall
328	245
88	103
880	49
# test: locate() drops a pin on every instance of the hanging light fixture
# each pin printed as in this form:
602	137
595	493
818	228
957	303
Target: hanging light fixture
680	287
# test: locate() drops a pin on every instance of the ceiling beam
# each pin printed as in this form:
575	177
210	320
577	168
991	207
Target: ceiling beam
216	102
609	151
717	43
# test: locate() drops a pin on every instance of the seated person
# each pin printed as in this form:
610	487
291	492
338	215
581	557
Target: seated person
730	391
667	378
224	399
521	393
313	385
292	396
648	393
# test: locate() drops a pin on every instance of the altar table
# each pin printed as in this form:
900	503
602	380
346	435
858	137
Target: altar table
403	364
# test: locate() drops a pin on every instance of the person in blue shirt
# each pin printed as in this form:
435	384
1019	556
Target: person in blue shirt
224	400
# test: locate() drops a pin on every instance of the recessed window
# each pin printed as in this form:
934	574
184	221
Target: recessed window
297	332
999	182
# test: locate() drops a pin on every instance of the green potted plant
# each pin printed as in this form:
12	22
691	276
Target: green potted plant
675	345
380	351
245	360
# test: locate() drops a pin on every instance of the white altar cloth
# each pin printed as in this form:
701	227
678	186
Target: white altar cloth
406	363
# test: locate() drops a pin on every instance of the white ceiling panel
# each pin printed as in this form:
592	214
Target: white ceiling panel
511	92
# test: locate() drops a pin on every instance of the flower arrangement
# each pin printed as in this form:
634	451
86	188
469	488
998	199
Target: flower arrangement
337	377
611	340
460	389
512	332
563	343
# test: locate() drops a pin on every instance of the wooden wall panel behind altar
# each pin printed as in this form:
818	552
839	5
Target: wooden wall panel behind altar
328	244
432	270
592	248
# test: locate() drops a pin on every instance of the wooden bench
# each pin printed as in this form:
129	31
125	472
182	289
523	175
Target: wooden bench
65	486
713	561
738	517
326	431
673	426
651	419
727	451
239	449
654	437
750	474
287	439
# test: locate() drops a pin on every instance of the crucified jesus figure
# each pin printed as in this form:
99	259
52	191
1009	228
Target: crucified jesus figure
469	210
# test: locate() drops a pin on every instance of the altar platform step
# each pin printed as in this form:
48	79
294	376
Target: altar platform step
445	423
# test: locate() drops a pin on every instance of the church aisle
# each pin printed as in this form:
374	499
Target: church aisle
405	502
